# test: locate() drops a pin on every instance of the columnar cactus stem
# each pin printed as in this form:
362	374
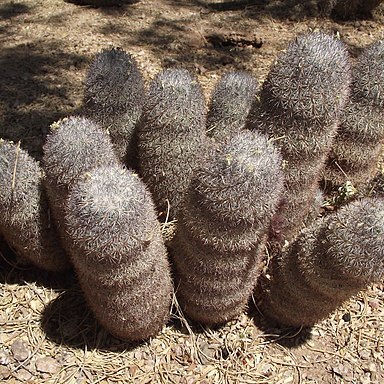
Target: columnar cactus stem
358	145
329	262
299	108
118	252
230	104
113	97
171	136
220	238
25	221
74	146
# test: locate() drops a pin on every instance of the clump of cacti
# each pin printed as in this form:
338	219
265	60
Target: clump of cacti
220	239
118	252
299	107
231	192
230	104
113	97
171	136
24	213
329	262
358	145
74	146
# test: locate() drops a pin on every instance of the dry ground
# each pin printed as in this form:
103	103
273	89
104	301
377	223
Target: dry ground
47	335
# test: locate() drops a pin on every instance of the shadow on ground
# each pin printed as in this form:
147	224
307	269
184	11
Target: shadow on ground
290	9
32	92
194	49
14	270
68	321
289	337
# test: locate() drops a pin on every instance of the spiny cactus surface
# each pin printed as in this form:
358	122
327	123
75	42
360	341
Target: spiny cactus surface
299	108
328	263
74	146
220	239
24	213
357	146
113	97
230	104
171	136
118	252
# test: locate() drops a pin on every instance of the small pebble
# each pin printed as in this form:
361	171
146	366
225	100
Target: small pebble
4	357
47	365
20	350
374	304
4	372
23	375
347	317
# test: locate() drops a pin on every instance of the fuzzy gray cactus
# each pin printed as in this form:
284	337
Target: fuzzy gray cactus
24	213
171	136
230	104
219	242
358	145
299	108
118	252
113	97
74	146
327	264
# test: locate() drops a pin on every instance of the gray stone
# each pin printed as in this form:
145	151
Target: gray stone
20	350
47	365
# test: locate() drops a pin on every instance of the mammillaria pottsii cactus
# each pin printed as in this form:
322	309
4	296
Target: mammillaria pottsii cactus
230	104
330	261
171	136
24	214
358	144
220	238
113	97
299	108
118	252
74	146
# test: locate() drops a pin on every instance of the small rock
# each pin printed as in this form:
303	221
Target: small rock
373	303
36	305
20	350
187	380
4	357
206	353
267	369
366	378
4	372
23	375
47	365
3	337
365	354
343	371
132	370
347	317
